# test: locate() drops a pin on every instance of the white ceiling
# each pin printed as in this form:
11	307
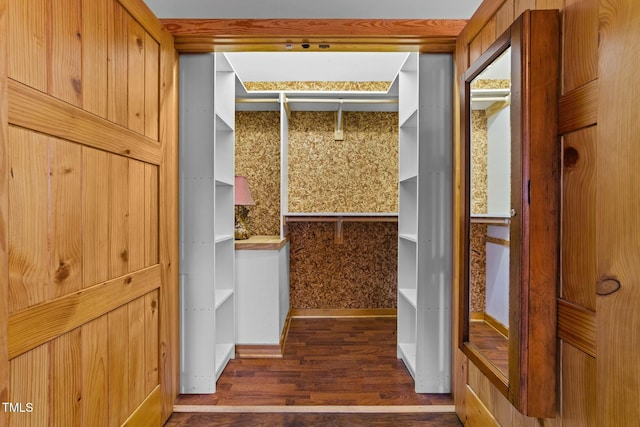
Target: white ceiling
320	9
316	66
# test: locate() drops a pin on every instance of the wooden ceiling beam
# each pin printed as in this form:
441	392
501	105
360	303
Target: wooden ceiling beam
227	35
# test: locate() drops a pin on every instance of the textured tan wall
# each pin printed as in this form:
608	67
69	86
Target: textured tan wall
317	86
478	271
479	158
258	158
360	273
358	174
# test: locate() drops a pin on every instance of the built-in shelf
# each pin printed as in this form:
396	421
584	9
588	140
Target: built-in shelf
409	237
411	295
224	353
222	296
223	238
408	354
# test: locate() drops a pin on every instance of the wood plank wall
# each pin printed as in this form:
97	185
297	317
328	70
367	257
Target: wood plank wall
88	232
598	128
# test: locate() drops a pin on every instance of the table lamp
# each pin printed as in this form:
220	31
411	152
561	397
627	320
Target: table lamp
242	200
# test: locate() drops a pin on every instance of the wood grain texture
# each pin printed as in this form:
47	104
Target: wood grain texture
65	239
201	35
4	211
118	216
95	56
261	243
481	16
30	382
618	202
326	362
136	77
151	86
168	228
579	108
577	326
137	219
137	370
118	367
319	419
27	169
151	207
477	413
118	34
27	34
66	379
95	378
579	385
147	414
95	217
65	53
579	249
151	350
141	13
32	109
580	38
35	326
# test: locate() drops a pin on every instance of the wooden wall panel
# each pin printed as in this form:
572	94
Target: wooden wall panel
135	78
151	79
118	37
151	339
118	335
118	216
84	199
580	41
95	375
28	42
95	218
617	206
30	382
28	170
150	215
136	217
578	247
65	60
579	114
66	379
95	56
136	353
4	210
65	237
579	383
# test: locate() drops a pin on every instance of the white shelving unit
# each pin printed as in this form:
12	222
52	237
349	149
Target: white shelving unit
424	220
207	219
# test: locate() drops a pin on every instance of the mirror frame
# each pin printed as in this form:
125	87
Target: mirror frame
534	259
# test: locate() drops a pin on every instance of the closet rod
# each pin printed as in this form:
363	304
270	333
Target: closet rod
319	100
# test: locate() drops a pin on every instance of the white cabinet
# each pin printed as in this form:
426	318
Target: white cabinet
424	220
262	290
206	220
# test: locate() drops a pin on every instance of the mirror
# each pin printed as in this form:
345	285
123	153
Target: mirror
510	199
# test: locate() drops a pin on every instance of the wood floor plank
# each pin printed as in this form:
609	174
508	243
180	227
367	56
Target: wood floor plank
327	361
298	419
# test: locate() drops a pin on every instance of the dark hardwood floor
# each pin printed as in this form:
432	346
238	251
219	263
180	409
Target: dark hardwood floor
334	372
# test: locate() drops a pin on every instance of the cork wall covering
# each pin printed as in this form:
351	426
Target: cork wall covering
491	84
359	273
257	156
358	174
478	275
319	86
479	158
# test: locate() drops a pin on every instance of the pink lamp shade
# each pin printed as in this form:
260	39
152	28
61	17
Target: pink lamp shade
242	193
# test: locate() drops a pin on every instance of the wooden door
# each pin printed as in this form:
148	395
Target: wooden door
88	219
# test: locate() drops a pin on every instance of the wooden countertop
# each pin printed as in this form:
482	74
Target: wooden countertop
261	243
